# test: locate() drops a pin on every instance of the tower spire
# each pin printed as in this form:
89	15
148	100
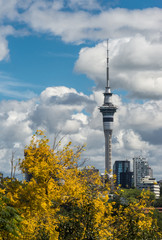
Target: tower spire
107	93
107	72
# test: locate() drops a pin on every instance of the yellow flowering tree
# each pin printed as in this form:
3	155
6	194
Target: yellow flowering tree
62	202
134	219
59	200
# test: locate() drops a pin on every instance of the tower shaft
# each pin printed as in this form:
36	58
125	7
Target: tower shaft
108	150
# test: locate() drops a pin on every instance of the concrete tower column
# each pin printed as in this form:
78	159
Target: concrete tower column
108	150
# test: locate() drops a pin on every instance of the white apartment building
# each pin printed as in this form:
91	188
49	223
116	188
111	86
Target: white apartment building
149	183
141	169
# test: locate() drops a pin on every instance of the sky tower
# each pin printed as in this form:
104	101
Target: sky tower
108	110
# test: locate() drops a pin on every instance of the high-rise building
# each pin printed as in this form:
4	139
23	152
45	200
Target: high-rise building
123	175
141	169
108	110
126	179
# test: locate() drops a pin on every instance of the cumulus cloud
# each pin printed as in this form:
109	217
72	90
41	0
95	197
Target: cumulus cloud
14	122
8	9
57	107
83	4
19	120
4	48
4	32
129	140
135	66
80	117
81	25
65	96
145	119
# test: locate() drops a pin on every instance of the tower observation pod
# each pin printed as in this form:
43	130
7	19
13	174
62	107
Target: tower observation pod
108	110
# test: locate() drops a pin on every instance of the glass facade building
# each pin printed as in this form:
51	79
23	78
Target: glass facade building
123	175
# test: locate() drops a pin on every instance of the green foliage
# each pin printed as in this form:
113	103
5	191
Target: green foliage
158	202
131	195
79	221
9	218
158	216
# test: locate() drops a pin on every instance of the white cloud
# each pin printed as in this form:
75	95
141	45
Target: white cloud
57	107
4	32
129	140
70	126
14	122
19	119
144	117
56	91
80	117
135	66
83	4
82	25
8	9
3	48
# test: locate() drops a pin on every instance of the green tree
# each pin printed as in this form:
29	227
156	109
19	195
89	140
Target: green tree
133	195
9	218
158	216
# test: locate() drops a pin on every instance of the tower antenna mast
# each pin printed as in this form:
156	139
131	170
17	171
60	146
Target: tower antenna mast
107	64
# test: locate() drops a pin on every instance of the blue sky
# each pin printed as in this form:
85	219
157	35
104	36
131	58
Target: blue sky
138	4
36	62
52	75
39	60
